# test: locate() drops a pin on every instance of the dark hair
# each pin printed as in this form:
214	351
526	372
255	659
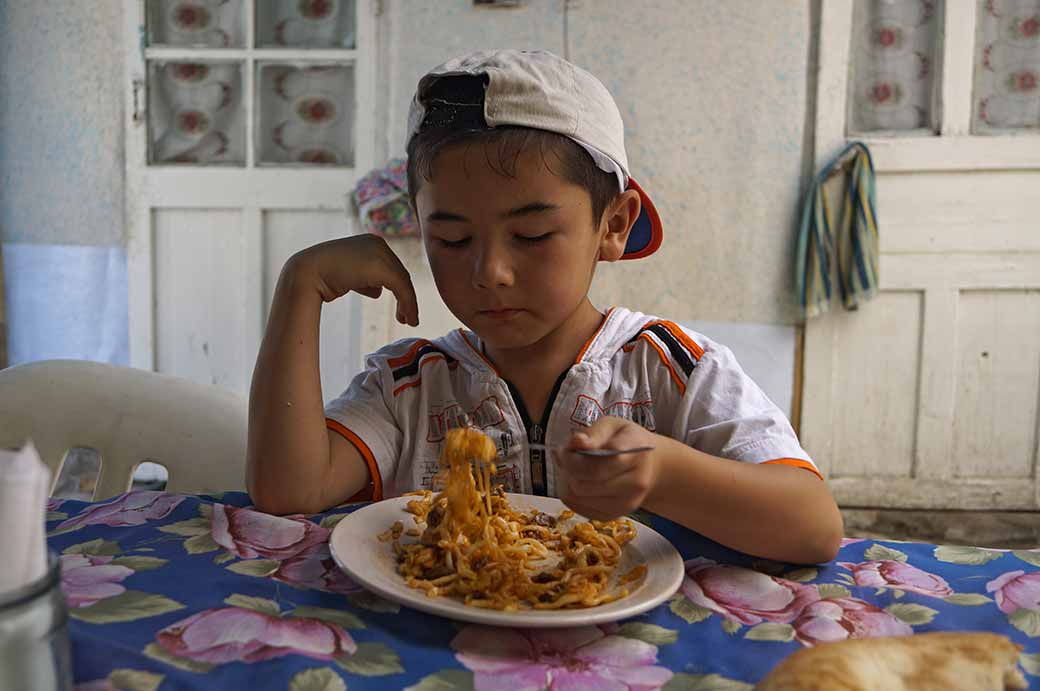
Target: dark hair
461	122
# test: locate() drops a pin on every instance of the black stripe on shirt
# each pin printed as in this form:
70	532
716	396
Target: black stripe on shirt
412	368
679	352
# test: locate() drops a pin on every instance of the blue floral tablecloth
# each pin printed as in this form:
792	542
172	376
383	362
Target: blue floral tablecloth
172	591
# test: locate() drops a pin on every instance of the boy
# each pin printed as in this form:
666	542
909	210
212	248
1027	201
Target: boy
519	178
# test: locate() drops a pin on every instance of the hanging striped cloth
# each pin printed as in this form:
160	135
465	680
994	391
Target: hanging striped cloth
856	241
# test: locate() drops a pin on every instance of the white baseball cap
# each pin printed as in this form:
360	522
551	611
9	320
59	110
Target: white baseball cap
540	90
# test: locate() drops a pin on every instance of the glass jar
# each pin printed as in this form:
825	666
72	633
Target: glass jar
34	635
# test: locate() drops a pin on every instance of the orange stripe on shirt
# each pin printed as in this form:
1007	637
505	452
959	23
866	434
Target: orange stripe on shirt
482	356
409	356
366	453
667	363
588	343
796	463
691	345
422	363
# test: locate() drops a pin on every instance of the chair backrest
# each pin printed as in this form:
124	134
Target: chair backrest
128	416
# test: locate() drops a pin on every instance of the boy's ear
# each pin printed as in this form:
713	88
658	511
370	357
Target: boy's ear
619	218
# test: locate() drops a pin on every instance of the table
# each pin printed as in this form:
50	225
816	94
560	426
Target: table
202	592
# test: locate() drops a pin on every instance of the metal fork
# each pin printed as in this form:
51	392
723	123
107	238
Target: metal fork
599	453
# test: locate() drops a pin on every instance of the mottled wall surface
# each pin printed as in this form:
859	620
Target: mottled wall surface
714	101
61	179
713	95
61	137
424	34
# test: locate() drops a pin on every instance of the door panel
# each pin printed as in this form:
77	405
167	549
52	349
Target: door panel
875	417
927	396
200	286
998	368
215	203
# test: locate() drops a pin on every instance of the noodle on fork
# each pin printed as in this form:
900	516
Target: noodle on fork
476	547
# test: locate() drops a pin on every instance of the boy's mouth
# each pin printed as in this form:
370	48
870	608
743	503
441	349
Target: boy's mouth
501	313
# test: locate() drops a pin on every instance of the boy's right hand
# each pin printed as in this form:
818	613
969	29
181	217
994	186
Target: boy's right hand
362	263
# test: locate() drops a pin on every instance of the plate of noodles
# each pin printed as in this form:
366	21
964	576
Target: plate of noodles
473	552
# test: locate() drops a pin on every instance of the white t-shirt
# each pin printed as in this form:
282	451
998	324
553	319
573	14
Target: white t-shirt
669	379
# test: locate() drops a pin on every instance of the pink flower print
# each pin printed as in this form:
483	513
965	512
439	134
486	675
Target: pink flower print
743	595
315	9
318	156
1024	80
189	71
54	504
192	122
315	569
250	534
887	36
133	508
86	579
1016	590
235	634
557	659
841	618
887	573
882	92
191	16
1030	28
316	109
846	541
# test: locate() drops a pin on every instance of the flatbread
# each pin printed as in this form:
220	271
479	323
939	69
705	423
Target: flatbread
939	661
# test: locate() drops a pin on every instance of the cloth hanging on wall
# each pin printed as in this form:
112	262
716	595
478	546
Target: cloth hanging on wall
381	198
846	253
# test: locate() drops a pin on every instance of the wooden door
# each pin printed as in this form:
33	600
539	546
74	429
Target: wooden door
927	396
248	122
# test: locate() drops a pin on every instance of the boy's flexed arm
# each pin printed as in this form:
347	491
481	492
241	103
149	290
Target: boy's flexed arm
293	463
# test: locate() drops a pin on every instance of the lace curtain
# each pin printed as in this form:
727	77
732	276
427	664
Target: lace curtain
896	71
303	110
1007	67
895	56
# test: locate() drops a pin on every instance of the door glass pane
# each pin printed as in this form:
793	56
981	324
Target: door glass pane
1007	67
196	23
305	23
195	112
895	60
305	114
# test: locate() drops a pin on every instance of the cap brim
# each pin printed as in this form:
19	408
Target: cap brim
647	233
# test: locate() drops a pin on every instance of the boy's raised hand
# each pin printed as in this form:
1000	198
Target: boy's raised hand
604	488
362	263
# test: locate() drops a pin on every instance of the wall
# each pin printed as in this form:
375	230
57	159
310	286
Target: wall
61	179
714	97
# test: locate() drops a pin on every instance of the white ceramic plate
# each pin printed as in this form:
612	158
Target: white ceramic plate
358	551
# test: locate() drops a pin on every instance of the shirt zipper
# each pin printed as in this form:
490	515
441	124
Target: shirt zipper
536	432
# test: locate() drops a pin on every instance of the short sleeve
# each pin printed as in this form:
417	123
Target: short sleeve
726	414
363	415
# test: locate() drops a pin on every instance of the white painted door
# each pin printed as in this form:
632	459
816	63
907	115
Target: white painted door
248	123
927	396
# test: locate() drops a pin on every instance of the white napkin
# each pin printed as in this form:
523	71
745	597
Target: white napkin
24	484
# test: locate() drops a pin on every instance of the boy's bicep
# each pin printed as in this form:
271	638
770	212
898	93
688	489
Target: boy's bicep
348	476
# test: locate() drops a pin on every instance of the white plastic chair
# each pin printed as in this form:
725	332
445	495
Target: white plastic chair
128	416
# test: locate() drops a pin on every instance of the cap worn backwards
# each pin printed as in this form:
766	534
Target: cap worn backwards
540	90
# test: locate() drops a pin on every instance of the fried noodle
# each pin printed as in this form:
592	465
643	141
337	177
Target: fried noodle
475	547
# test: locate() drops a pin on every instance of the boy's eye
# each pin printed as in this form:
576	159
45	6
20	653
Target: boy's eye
454	243
534	238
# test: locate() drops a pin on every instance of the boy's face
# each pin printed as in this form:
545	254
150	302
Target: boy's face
512	257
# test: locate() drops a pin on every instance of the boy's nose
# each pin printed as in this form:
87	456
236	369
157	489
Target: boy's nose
492	269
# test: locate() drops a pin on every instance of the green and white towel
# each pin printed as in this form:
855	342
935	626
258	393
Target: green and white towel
853	243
